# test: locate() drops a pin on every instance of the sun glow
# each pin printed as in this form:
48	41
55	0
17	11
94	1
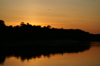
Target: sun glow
69	14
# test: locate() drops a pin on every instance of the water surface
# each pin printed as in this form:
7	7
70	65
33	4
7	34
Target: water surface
89	57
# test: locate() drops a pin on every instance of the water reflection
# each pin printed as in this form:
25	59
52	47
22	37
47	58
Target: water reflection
34	51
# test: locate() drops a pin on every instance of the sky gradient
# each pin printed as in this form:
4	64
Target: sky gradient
67	14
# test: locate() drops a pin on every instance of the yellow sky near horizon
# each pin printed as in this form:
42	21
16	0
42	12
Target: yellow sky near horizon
67	14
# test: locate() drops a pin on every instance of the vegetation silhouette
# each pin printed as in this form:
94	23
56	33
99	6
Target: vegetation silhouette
27	52
28	32
29	41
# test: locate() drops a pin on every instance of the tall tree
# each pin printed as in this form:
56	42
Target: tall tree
2	24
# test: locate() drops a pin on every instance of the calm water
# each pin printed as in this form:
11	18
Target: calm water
89	57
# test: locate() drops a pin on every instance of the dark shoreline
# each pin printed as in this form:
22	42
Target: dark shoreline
28	32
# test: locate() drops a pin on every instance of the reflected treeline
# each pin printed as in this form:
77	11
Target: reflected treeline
28	32
33	51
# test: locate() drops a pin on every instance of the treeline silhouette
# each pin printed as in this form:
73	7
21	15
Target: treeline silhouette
27	52
28	32
30	41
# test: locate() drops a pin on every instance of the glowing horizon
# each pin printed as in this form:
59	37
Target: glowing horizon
67	14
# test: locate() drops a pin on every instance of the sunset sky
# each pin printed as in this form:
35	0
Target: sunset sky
67	14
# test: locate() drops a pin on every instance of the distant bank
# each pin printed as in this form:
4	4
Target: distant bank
28	32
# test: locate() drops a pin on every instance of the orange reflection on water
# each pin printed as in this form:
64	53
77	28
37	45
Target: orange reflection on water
90	57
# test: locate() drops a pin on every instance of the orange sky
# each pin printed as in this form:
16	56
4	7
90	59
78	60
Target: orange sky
68	14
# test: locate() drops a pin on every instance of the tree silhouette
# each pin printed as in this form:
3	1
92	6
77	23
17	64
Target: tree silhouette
22	24
35	32
48	26
2	24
